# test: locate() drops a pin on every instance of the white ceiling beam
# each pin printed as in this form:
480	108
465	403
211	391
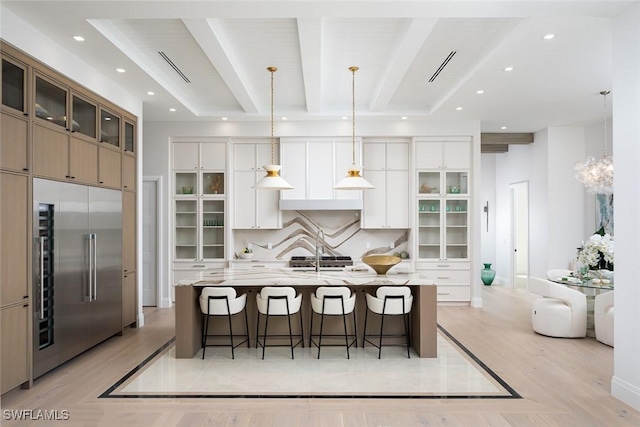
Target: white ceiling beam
409	44
109	30
210	36
310	39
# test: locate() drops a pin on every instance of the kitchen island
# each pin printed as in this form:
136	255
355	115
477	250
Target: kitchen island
189	317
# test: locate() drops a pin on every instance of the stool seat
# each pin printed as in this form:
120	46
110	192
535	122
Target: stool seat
278	301
333	301
389	301
222	301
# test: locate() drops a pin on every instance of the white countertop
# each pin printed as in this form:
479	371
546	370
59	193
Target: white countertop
290	277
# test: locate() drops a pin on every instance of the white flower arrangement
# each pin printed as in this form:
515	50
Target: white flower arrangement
598	247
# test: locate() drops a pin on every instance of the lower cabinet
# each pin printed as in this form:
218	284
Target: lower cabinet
14	369
452	279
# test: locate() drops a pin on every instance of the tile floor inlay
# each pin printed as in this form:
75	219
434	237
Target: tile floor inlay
455	373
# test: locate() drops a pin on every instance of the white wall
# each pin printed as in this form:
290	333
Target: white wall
488	194
626	106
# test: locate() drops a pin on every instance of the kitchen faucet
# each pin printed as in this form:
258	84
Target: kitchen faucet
318	252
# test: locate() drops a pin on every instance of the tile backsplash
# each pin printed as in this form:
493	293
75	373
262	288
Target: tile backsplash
343	236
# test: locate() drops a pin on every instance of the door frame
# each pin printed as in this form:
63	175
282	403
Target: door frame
512	214
159	238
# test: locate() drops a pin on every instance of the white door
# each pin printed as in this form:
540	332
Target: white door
520	234
149	243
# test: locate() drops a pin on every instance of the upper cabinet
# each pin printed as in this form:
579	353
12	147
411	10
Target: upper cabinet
129	136
199	155
442	153
253	208
314	165
83	117
386	167
109	128
51	102
14	126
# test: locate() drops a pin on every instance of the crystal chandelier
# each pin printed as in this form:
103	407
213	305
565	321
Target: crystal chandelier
353	180
272	180
597	175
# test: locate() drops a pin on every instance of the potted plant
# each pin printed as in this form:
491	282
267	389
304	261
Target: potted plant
246	253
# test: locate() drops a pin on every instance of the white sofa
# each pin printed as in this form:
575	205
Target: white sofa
558	273
558	311
603	317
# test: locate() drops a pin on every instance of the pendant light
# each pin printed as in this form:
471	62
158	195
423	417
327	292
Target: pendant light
272	180
597	175
353	180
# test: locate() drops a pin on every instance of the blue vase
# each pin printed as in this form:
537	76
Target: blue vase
487	274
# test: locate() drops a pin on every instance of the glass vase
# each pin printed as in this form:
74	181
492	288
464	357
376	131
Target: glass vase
487	274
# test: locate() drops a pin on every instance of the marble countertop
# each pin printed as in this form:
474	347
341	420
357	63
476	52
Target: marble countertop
290	277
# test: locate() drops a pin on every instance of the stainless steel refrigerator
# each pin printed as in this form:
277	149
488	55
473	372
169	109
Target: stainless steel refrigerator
77	270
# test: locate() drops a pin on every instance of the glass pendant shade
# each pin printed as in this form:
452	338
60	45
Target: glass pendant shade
353	180
272	180
597	175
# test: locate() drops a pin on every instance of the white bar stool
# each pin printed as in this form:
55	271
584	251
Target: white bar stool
278	301
333	301
222	301
389	301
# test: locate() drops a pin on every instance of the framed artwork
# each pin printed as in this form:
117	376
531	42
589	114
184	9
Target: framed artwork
604	212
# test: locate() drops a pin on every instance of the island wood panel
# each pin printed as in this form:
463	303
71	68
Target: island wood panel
189	320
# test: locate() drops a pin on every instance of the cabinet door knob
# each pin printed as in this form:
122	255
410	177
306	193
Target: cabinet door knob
101	182
67	176
25	169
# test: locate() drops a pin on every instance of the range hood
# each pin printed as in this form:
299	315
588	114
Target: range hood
320	204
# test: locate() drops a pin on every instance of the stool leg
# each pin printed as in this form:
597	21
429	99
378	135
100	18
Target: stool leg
310	329
364	332
301	330
405	320
346	338
355	329
320	339
233	356
258	330
290	335
381	328
246	324
205	323
264	337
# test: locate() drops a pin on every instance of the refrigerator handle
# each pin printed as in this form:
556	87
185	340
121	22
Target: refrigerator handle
89	297
95	266
41	313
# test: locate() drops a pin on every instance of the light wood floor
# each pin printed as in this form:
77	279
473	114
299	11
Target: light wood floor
563	383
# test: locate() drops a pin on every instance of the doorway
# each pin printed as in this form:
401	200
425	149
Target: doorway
519	234
151	235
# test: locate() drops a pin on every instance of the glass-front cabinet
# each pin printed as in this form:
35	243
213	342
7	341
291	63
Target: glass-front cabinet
14	85
129	137
199	229
83	117
109	128
443	215
51	102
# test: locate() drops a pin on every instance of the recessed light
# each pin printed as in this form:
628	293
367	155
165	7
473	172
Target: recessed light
107	118
78	38
120	70
344	117
509	68
503	127
404	117
284	118
151	93
480	92
172	109
458	108
549	36
224	118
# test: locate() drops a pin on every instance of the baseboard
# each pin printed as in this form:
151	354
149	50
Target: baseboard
626	392
140	320
165	303
476	302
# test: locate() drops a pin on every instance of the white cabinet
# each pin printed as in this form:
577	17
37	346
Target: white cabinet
387	169
253	208
199	155
314	165
199	211
442	153
443	225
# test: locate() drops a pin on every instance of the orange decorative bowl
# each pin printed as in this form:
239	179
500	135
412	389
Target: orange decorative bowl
381	263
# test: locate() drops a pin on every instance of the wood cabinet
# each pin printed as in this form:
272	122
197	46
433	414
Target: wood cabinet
14	346
253	208
83	161
14	238
14	278
129	299
128	172
128	231
50	153
110	167
14	150
387	169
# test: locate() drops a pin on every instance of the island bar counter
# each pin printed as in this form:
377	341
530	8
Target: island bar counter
188	316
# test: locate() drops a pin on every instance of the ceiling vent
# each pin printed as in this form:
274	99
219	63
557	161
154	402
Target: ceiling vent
441	67
174	66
